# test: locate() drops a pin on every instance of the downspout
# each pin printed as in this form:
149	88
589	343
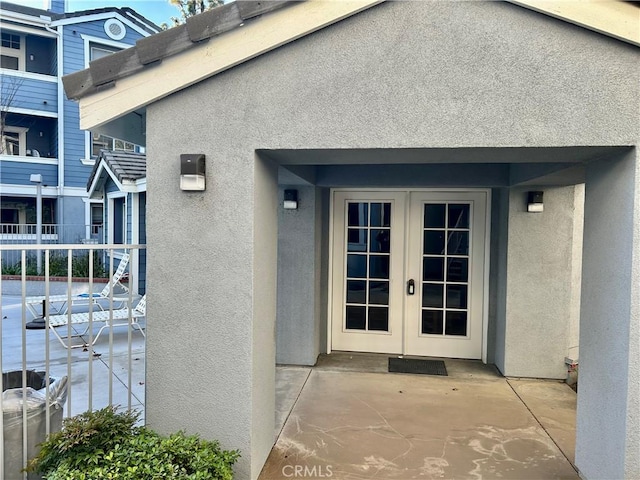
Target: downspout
60	59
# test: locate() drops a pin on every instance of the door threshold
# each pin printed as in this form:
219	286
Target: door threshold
340	361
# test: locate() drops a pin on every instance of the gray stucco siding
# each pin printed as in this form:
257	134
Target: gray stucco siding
400	75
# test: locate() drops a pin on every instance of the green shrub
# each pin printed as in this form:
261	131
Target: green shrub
58	266
106	444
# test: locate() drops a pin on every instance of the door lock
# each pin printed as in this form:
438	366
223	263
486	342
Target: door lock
411	287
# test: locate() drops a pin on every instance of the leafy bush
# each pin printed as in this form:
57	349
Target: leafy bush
106	444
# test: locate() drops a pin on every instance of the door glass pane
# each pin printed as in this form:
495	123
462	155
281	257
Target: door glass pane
358	214
356	291
379	266
458	243
458	216
445	270
379	293
457	269
379	318
368	234
432	295
356	318
456	323
357	240
380	214
434	216
456	296
433	269
380	241
433	242
356	266
432	322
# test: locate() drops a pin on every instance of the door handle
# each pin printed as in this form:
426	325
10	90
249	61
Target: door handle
411	287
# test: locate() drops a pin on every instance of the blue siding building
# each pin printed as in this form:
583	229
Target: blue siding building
40	131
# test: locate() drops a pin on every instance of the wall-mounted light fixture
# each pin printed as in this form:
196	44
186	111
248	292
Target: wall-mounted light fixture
291	199
32	57
192	169
534	202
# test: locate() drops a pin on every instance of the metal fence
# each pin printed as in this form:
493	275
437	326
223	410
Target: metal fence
65	336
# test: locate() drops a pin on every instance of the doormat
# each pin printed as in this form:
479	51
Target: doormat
414	365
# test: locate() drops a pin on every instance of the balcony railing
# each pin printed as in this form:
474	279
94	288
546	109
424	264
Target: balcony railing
105	370
51	234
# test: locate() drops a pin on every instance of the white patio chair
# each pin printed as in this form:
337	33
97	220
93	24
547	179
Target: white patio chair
120	317
33	302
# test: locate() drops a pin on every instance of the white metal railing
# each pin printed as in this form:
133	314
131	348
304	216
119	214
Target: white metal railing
18	234
109	372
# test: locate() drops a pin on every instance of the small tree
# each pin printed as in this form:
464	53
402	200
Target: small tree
9	87
189	8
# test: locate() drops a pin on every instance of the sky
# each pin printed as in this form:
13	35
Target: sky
158	11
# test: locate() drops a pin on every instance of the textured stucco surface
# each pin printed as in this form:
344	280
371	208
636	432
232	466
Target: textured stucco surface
405	74
539	292
298	318
608	423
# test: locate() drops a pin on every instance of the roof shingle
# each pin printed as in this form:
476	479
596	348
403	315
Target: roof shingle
104	71
126	166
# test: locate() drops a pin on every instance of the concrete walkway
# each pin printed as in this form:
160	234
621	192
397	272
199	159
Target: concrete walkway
352	420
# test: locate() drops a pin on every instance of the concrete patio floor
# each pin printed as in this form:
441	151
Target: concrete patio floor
352	420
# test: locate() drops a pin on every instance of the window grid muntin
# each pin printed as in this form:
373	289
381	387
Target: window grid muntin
369	254
10	40
445	282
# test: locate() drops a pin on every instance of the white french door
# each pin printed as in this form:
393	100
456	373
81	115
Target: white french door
408	271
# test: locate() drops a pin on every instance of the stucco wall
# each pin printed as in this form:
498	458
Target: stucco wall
608	427
299	265
405	74
539	284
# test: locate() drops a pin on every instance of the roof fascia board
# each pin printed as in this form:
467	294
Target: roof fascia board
219	54
617	19
101	16
105	166
96	179
26	19
31	111
25	29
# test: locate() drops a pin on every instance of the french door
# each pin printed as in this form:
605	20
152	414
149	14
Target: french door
408	271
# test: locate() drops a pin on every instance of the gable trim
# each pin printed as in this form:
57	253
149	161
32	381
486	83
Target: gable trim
104	16
219	54
617	19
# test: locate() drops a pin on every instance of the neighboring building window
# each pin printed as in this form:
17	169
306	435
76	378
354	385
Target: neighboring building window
14	141
99	51
104	142
11	51
97	214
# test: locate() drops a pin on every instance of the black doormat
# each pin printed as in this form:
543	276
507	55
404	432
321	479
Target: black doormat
414	365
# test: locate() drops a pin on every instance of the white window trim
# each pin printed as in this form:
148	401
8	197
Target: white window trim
97	41
22	140
17	53
88	203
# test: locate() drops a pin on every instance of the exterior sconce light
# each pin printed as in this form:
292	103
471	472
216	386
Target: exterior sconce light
534	202
291	199
192	168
